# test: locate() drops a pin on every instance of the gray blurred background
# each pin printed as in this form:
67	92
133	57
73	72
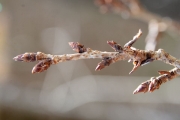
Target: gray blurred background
73	90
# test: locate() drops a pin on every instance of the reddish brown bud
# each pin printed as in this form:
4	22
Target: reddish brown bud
115	46
136	65
143	87
106	61
42	66
155	84
26	57
77	47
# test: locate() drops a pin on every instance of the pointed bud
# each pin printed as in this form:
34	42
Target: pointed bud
77	47
106	61
154	84
99	67
136	65
115	46
26	57
18	58
41	66
143	87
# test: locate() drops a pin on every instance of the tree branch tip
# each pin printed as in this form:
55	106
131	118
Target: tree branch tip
130	72
139	58
138	91
98	68
140	31
138	34
17	58
33	72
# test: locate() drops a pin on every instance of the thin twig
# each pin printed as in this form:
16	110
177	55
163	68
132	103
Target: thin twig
155	82
139	58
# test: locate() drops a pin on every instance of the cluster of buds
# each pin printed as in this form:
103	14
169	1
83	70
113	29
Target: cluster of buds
43	64
127	52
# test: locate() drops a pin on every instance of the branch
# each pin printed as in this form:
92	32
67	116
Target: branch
139	58
155	82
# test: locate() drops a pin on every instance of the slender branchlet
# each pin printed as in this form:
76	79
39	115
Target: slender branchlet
138	57
135	38
155	82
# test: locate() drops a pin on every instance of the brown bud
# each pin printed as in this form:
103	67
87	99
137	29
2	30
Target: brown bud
155	84
42	66
136	65
115	46
106	61
143	87
26	57
77	47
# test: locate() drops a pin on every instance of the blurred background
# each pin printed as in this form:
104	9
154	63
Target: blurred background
73	90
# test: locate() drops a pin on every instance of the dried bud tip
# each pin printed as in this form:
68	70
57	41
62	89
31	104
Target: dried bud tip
34	71
99	67
131	72
18	58
140	89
